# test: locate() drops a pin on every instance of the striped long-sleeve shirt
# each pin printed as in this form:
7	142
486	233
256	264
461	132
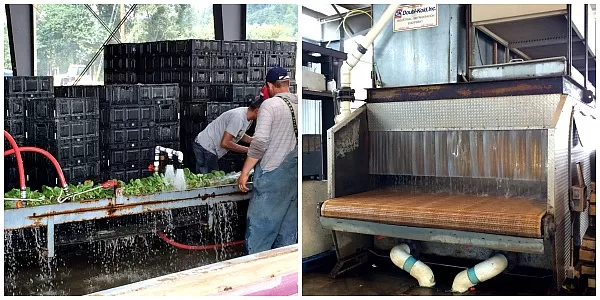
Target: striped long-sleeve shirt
274	135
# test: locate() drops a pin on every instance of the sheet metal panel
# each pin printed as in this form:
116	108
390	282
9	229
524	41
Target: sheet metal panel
423	56
503	154
497	113
348	155
484	240
558	191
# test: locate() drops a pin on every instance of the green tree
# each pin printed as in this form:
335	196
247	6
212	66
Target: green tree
7	59
65	34
277	21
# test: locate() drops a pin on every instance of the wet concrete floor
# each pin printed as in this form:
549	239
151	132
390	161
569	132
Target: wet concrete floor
88	268
381	279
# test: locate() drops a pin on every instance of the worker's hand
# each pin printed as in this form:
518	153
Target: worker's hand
242	181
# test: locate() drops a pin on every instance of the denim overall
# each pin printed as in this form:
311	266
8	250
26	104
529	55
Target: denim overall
272	219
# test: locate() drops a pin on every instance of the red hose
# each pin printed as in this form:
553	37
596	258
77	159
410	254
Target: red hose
188	247
20	167
61	176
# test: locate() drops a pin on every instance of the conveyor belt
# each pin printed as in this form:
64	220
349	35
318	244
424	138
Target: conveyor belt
497	215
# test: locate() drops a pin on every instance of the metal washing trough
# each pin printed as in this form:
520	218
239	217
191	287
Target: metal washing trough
503	139
51	215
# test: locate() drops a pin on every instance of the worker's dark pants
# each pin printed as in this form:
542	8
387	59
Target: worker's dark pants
272	220
206	162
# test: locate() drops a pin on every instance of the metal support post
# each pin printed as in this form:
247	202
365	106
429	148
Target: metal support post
235	27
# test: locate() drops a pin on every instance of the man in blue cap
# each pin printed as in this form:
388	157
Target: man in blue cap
272	219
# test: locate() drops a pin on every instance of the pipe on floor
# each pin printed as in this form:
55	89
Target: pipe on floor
401	257
203	247
481	272
19	159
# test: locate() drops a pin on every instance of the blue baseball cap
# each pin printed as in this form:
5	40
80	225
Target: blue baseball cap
277	73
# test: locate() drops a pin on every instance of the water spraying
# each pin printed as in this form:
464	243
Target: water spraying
179	182
170	174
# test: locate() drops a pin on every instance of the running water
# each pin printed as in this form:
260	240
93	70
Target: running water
179	181
170	175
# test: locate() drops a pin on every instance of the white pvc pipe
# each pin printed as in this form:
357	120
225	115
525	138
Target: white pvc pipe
170	152
401	257
481	272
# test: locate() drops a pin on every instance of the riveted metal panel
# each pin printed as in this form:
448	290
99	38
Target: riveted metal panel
499	113
558	191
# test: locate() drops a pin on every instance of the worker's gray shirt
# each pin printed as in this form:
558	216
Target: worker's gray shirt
274	136
233	121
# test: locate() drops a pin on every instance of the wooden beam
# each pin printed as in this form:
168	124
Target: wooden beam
588	270
588	244
587	255
236	274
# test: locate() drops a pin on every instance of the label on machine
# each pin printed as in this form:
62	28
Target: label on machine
415	16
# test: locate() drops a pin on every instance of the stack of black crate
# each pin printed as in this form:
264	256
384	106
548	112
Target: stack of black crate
134	119
18	91
121	64
66	125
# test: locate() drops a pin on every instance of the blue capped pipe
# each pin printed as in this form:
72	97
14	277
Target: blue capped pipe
401	257
481	272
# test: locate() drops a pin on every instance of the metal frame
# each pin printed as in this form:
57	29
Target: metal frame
22	50
51	215
484	240
233	13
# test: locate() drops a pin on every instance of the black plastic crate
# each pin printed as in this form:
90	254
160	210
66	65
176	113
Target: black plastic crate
41	133
256	60
127	138
277	46
272	60
239	76
200	61
62	108
189	76
72	152
219	62
238	62
121	50
74	175
128	116
81	91
14	107
234	46
244	94
167	112
260	46
192	127
118	160
205	46
167	132
121	63
220	93
287	60
15	126
112	77
19	139
158	93
122	94
194	92
292	73
193	111
15	85
220	76
256	75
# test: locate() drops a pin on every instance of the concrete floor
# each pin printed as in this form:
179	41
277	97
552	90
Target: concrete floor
381	278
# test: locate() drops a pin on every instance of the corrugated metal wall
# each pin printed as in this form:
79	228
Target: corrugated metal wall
311	117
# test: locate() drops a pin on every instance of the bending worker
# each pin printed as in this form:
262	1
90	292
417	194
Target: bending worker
272	220
222	136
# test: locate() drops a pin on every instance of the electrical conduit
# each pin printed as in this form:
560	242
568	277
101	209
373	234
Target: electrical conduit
481	272
61	176
188	247
355	56
401	257
20	167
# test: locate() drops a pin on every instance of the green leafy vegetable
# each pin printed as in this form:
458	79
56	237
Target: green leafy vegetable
135	187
